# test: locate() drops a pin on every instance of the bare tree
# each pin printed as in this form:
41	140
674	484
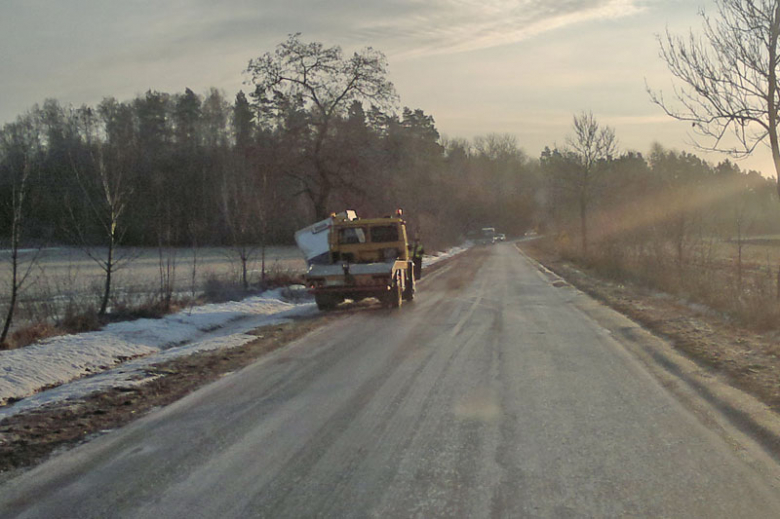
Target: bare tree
106	194
306	81
242	211
742	222
742	209
589	147
20	269
166	256
729	75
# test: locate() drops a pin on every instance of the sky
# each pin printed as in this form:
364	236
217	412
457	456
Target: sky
522	67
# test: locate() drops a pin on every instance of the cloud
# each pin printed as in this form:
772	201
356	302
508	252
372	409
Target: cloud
403	28
90	48
453	26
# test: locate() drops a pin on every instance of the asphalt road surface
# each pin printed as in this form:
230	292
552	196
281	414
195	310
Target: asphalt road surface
491	395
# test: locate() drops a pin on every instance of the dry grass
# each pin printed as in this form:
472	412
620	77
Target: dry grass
748	356
29	335
279	276
84	318
709	274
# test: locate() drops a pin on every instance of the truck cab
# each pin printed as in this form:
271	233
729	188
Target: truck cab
369	240
355	258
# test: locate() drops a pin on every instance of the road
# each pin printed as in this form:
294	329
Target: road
491	395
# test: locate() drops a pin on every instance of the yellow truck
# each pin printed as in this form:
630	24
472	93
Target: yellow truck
356	258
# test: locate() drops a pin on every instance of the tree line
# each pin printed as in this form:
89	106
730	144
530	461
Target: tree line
599	200
318	133
667	220
184	168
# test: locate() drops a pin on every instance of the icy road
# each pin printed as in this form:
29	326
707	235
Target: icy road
497	393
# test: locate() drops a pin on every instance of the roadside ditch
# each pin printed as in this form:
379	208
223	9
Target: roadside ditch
30	437
736	370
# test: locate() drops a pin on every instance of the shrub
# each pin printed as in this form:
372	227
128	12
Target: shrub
87	321
277	276
219	290
29	334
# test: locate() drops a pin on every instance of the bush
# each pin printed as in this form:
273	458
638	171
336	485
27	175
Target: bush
277	276
30	334
87	321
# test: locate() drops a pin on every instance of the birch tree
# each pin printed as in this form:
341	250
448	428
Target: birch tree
106	194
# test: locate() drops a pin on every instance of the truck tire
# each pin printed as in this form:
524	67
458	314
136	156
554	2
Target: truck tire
393	297
397	295
409	290
398	291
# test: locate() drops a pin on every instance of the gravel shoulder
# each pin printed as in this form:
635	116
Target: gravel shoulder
28	438
745	359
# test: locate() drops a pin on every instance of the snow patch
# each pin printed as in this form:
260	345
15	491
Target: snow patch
120	355
120	352
436	257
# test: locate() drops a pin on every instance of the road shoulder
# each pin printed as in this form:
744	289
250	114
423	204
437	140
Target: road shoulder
30	437
725	375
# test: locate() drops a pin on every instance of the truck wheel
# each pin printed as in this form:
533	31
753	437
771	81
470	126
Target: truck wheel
409	290
396	294
393	297
325	301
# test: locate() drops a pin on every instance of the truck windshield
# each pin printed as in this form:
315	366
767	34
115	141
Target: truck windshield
350	235
384	233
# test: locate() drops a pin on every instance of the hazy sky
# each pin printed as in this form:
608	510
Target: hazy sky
477	66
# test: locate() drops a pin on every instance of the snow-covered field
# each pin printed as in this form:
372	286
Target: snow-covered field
68	276
74	366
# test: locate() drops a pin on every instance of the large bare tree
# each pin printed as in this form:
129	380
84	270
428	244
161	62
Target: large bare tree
728	78
20	136
309	82
589	147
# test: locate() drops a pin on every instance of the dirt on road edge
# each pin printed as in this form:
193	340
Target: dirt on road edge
28	438
745	359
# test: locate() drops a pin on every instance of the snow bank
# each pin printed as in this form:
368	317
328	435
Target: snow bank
56	361
438	256
73	366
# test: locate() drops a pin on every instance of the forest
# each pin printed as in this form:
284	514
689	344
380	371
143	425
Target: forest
183	169
190	169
